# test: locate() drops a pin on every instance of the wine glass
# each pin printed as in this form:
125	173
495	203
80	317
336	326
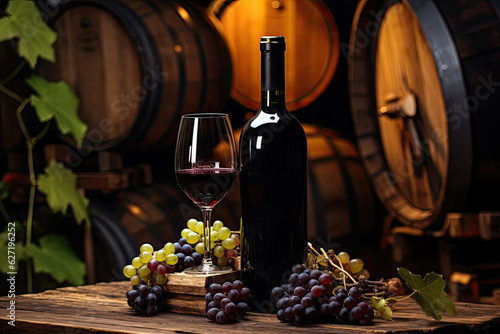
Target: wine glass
206	164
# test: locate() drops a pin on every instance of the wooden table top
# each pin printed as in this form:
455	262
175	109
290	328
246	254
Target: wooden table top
103	308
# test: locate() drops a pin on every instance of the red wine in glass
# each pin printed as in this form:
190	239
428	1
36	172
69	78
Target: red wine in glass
206	186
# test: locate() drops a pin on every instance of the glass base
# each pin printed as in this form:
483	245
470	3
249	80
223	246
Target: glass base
207	269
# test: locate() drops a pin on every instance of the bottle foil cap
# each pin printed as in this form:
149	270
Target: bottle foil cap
272	43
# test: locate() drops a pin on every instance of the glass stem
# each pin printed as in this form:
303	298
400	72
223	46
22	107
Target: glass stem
207	256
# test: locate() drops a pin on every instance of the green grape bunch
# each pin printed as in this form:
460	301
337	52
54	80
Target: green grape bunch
223	242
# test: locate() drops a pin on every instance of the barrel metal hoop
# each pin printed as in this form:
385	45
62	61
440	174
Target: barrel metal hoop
448	66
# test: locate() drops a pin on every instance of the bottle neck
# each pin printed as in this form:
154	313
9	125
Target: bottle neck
272	99
273	79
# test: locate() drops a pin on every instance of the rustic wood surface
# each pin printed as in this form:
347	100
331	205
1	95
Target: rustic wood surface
103	308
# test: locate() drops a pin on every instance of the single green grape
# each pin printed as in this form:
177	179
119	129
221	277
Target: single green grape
200	247
146	248
160	255
145	257
129	271
136	262
219	251
363	272
143	271
172	259
169	248
217	225
224	233
228	243
191	224
214	236
161	279
199	227
344	257
135	280
185	232
356	265
192	238
222	261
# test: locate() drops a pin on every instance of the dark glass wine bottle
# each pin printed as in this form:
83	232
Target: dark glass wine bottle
273	180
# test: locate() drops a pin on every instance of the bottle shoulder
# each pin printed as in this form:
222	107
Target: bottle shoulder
273	121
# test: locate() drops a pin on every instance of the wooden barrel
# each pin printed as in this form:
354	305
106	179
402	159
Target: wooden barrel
312	46
137	66
155	214
340	199
424	81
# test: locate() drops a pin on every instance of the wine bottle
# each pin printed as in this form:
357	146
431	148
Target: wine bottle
273	180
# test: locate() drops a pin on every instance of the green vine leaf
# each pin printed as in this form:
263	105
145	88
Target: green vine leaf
24	21
380	304
57	100
55	256
429	293
59	184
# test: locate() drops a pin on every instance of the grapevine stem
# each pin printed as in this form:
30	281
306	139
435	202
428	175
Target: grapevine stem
30	143
340	268
31	203
405	297
13	73
43	132
327	258
10	93
20	119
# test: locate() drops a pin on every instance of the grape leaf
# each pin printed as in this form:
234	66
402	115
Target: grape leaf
56	100
24	21
59	184
429	293
55	256
380	304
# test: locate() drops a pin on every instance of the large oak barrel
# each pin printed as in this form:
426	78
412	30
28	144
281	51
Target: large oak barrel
137	66
341	203
312	46
424	80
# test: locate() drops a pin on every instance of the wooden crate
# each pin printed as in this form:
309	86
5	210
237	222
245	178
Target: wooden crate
186	293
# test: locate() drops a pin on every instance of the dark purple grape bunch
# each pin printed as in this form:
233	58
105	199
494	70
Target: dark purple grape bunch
308	298
145	300
348	308
227	302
